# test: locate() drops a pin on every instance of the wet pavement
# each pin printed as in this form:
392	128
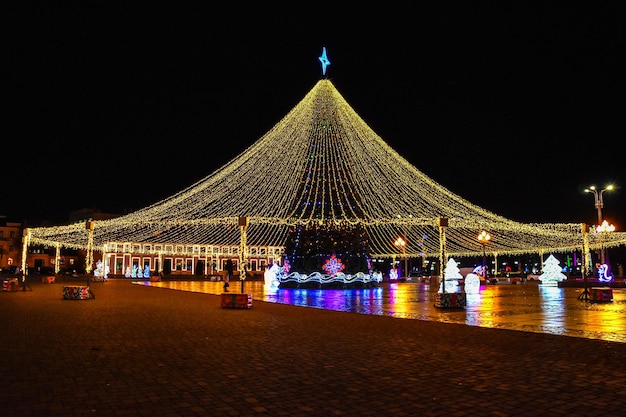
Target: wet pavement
528	307
135	350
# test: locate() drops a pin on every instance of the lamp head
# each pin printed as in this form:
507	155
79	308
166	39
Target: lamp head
484	236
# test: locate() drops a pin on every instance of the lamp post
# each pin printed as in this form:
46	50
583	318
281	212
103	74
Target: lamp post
401	243
599	203
597	194
484	237
605	227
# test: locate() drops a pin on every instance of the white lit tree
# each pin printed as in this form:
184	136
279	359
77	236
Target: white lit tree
552	272
452	276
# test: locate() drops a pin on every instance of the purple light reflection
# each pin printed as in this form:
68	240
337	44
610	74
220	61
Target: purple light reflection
364	301
526	307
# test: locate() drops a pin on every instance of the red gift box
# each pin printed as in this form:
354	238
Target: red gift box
76	292
236	300
601	294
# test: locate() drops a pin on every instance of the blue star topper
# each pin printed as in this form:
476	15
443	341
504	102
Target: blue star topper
324	60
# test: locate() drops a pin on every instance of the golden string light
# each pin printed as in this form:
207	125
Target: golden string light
321	164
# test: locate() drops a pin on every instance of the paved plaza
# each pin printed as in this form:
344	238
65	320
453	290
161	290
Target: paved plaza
139	350
529	307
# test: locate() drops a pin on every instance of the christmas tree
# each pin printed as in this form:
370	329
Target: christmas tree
309	249
552	272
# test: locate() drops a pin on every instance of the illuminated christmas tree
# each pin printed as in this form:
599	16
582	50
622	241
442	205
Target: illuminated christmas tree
309	249
552	272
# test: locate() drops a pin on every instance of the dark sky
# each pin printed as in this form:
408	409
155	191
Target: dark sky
514	107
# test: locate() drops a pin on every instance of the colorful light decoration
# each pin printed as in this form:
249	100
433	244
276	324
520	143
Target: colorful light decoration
393	273
286	265
333	265
604	273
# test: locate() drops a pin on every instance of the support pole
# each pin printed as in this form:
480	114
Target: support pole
57	258
585	294
243	251
442	223
89	225
25	243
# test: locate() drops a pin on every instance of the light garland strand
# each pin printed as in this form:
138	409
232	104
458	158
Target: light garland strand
322	164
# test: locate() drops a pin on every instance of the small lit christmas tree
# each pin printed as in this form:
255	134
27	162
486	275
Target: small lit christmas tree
452	276
551	272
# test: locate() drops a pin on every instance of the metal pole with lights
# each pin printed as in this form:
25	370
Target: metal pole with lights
243	250
602	229
584	270
442	223
597	194
483	238
401	243
599	203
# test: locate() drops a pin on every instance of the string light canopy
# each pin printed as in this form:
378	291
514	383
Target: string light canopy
323	165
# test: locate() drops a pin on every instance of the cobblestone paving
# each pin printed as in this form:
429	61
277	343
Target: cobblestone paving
138	350
527	307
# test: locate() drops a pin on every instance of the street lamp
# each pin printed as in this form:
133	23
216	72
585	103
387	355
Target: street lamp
597	194
484	238
401	243
599	203
605	227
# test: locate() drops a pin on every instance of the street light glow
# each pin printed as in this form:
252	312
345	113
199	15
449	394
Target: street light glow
605	227
401	243
599	203
597	194
483	238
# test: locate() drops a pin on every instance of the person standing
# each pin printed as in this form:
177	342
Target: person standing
229	273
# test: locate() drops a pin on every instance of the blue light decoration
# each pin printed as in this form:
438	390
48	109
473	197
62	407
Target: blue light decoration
393	273
604	273
324	60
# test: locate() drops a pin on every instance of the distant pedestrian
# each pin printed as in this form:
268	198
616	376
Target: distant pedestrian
229	273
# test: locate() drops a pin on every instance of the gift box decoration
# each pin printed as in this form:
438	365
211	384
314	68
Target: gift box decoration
236	300
11	284
601	294
450	300
76	292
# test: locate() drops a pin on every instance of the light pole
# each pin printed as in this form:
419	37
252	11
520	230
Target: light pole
599	203
483	238
605	227
597	194
401	243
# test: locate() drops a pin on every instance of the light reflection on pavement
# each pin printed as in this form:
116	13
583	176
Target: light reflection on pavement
528	307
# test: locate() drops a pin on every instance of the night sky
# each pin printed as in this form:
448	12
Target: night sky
515	107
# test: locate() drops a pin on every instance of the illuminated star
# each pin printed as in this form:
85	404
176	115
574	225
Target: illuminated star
324	60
